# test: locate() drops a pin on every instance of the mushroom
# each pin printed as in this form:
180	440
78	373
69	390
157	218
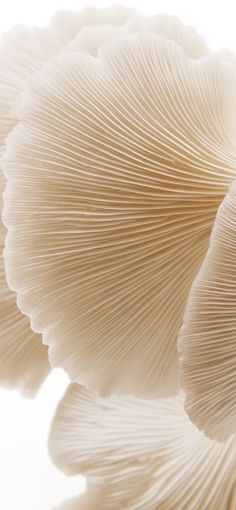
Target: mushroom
141	454
207	338
91	38
24	360
115	174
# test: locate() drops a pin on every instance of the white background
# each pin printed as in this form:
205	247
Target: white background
214	19
28	480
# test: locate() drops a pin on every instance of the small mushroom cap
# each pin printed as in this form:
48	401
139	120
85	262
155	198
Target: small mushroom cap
24	360
117	168
69	23
141	454
90	38
207	340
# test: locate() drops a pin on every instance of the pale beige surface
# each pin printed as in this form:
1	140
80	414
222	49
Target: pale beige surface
24	360
207	337
117	168
141	454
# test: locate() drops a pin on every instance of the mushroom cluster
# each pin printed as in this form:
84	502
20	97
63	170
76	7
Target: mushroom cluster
118	159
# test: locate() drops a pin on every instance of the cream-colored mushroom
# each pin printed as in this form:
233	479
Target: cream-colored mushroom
207	340
91	38
24	360
141	454
115	174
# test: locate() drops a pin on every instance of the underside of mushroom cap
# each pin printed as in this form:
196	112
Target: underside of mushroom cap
170	27
141	454
24	359
115	174
207	340
91	38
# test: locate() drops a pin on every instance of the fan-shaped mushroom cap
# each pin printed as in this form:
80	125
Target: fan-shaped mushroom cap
24	360
142	454
207	340
115	174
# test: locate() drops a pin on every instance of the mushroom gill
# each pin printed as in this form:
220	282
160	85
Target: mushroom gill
207	338
115	173
140	454
24	360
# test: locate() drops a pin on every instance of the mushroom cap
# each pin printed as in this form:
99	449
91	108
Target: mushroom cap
24	360
115	174
207	340
170	27
141	454
90	38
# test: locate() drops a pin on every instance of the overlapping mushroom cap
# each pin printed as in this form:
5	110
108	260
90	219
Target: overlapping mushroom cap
141	454
207	338
24	360
124	151
115	173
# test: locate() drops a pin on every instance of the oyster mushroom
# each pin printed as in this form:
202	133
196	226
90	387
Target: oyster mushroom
207	338
115	174
141	454
24	360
